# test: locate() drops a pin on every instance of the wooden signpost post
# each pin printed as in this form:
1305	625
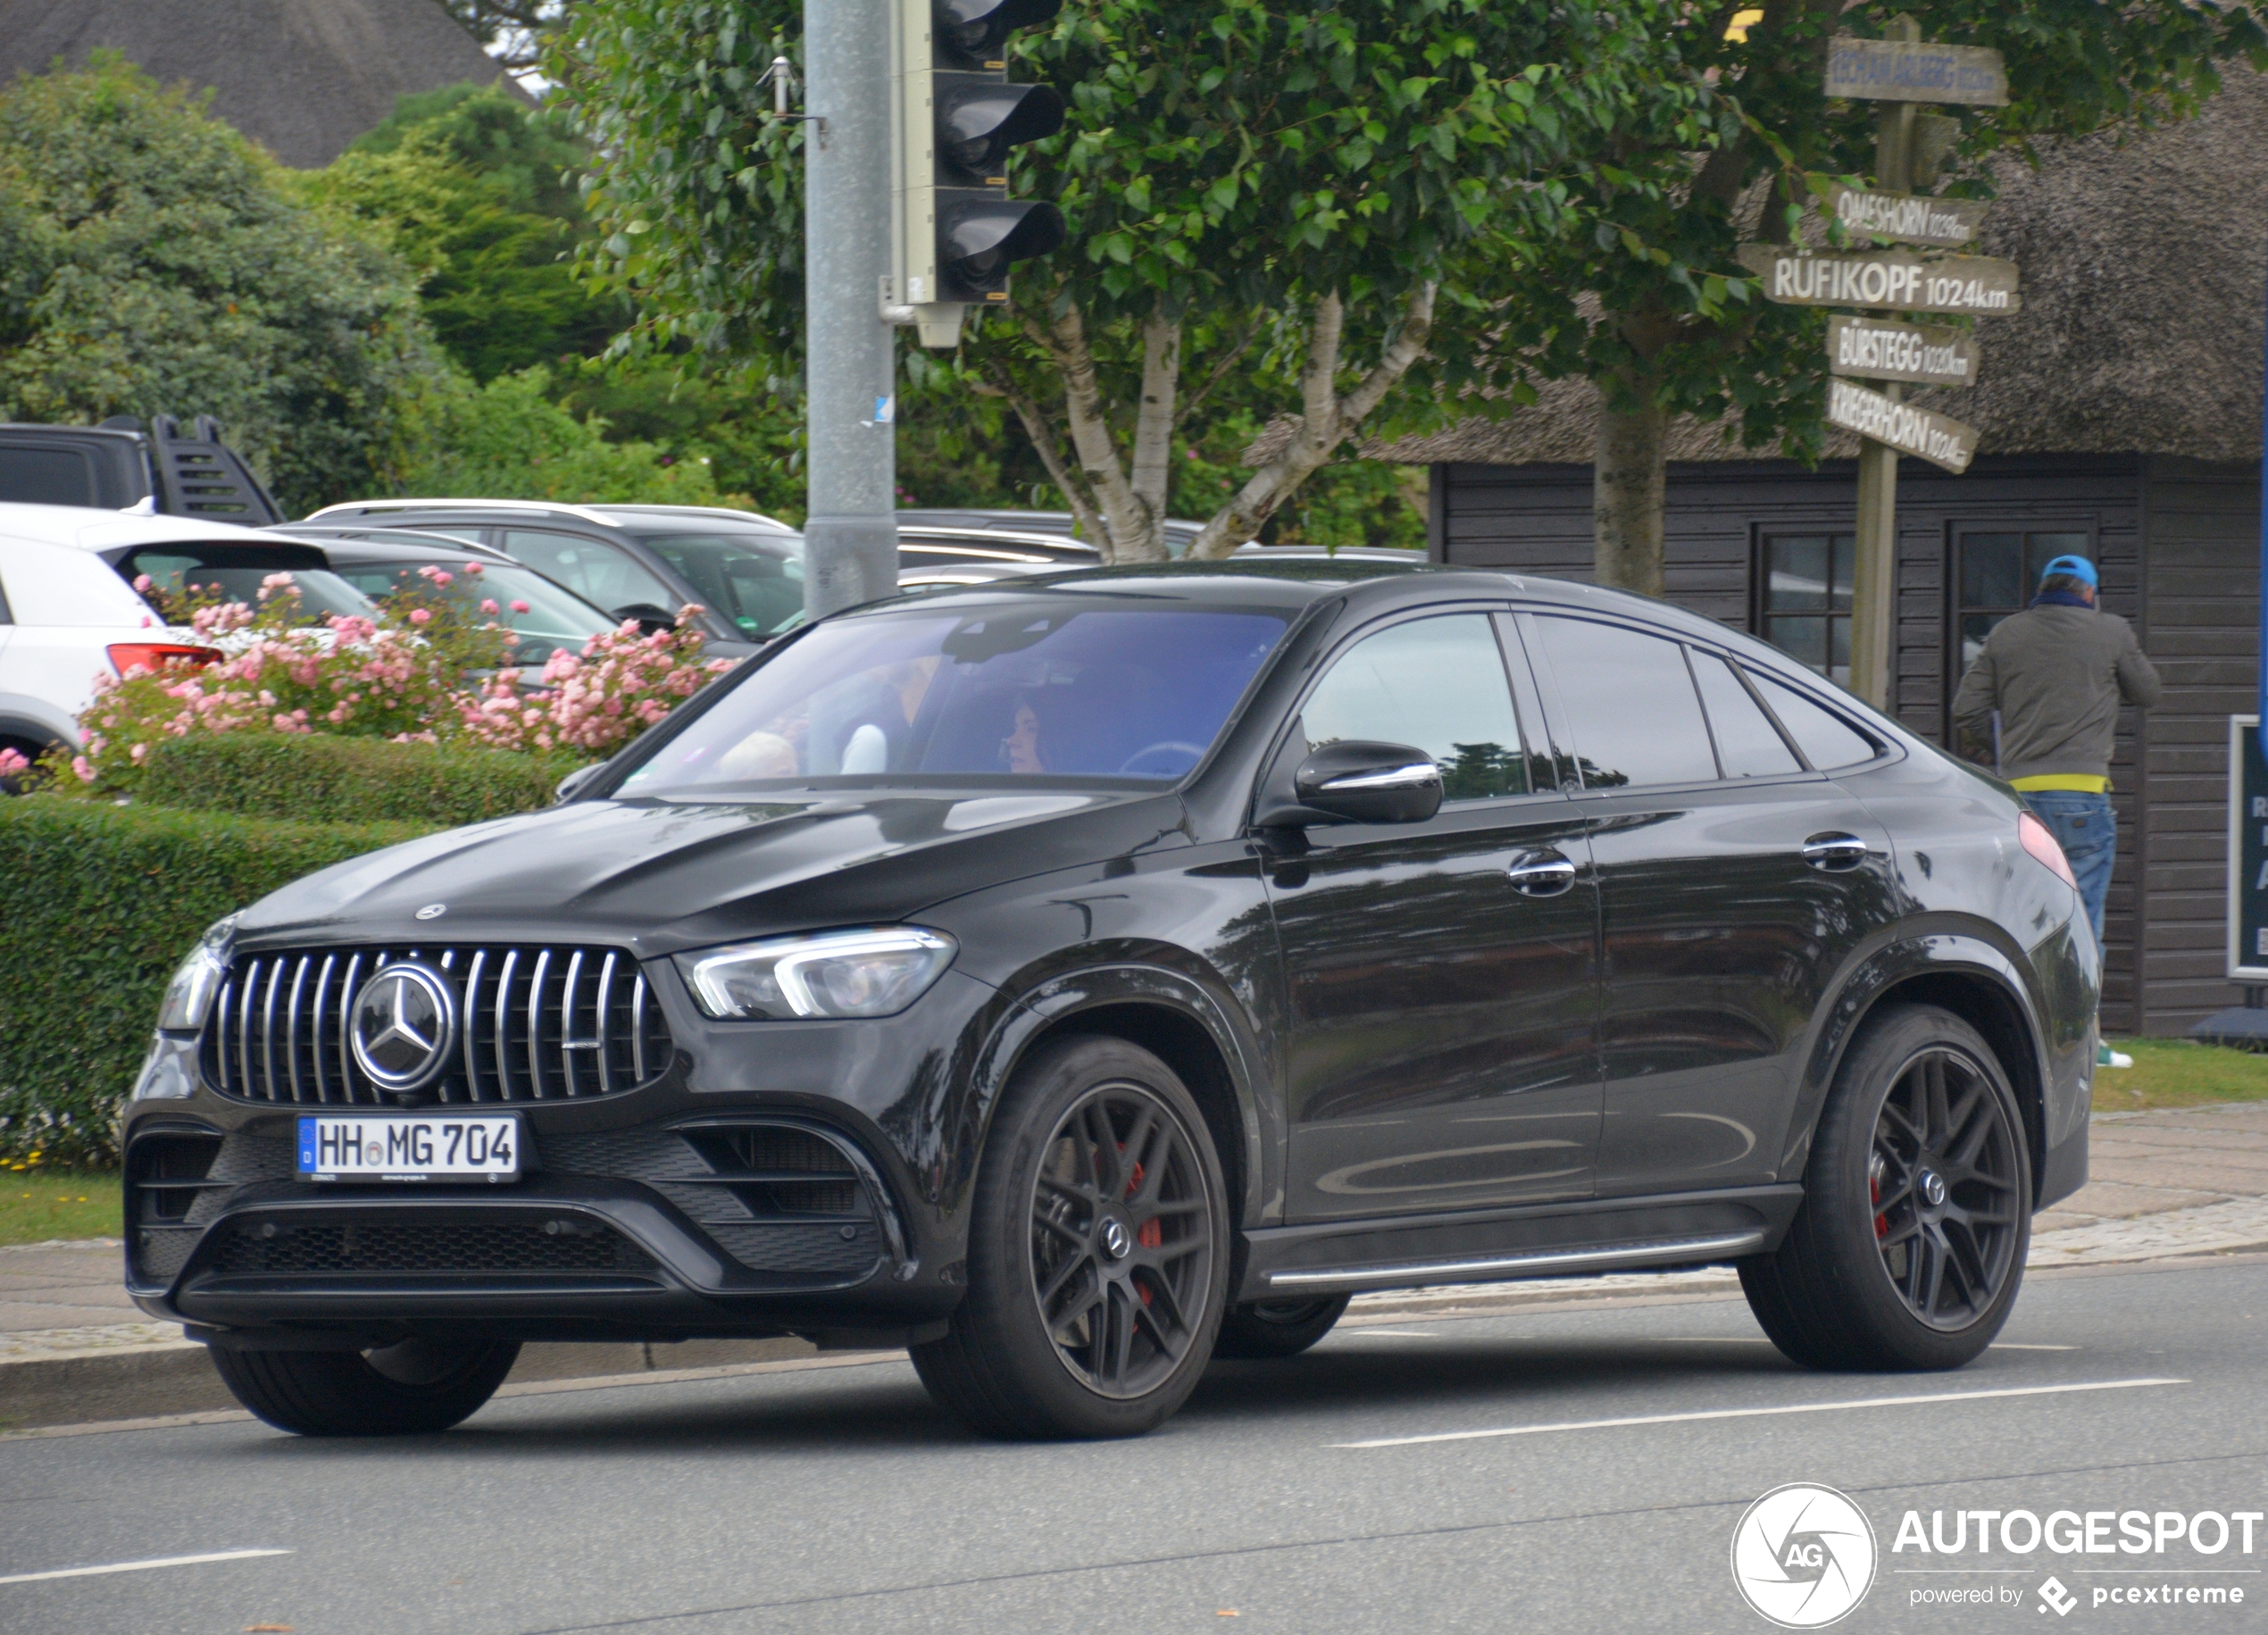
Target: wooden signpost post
1901	72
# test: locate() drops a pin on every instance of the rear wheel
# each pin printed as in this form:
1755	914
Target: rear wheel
1278	1328
412	1389
1909	1247
1097	1252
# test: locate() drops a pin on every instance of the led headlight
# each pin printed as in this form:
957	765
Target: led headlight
876	970
189	995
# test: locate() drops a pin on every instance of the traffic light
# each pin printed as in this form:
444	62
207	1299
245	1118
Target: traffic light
958	232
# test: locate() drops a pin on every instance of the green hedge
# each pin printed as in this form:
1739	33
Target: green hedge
319	778
101	902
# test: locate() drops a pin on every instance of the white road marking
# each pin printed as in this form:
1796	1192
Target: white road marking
1757	1340
1799	1407
139	1566
1390	1333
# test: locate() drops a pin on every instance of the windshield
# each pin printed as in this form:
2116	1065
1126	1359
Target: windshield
752	577
182	577
545	616
1025	689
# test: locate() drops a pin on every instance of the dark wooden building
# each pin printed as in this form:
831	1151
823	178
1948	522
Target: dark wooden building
2121	418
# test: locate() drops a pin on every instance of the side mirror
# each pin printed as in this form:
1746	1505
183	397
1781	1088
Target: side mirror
575	782
650	617
1359	780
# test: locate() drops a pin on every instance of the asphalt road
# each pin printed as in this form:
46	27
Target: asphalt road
836	1499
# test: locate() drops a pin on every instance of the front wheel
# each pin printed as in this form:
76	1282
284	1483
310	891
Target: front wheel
1098	1246
412	1389
1909	1247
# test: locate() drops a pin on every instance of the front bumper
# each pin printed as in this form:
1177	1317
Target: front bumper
643	1232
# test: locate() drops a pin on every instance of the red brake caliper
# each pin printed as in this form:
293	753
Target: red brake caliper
1151	1233
1874	1195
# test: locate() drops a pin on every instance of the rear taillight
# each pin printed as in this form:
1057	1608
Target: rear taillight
127	656
2040	842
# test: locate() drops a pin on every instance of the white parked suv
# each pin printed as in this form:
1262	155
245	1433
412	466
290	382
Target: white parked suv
69	612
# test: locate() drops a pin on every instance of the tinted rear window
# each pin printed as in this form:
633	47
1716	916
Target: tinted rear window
46	477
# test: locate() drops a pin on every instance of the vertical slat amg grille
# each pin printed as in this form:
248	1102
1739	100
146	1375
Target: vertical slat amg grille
533	1024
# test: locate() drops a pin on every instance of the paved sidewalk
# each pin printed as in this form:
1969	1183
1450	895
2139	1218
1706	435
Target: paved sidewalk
2190	1182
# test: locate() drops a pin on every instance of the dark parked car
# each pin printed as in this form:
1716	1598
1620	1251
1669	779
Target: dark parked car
121	465
1077	978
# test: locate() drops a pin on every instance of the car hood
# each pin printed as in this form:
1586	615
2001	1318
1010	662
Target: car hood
661	876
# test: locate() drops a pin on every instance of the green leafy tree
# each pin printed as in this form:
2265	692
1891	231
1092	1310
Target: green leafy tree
152	262
1650	303
1317	187
465	185
509	439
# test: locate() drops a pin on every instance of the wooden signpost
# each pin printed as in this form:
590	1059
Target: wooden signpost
1909	70
1884	349
1898	280
1937	438
1911	218
1902	72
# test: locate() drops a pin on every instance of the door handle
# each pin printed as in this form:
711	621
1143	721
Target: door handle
1546	874
1834	851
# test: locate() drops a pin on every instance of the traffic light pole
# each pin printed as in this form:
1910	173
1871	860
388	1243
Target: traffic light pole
850	370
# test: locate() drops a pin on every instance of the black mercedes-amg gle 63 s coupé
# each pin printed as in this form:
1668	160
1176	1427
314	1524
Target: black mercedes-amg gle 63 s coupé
1077	978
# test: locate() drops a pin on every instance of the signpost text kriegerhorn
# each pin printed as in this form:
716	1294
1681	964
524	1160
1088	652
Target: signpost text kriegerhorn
1899	72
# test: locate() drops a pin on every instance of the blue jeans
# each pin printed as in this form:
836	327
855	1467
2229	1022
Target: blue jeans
2087	828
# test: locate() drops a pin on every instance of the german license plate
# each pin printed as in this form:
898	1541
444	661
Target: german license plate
409	1147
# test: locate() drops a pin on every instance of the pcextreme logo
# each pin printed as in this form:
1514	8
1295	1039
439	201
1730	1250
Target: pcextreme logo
1803	1556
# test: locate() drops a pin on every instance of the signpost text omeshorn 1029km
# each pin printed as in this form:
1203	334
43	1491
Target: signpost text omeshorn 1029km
1902	73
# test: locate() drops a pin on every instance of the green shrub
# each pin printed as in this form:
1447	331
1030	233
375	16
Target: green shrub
316	778
102	901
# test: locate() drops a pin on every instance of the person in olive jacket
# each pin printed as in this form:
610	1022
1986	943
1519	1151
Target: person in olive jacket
2056	674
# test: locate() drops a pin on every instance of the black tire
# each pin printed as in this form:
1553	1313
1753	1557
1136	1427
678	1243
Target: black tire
1909	1248
1099	1252
1278	1328
413	1388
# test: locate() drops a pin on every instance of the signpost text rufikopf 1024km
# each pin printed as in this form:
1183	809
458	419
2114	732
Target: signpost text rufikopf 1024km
1902	72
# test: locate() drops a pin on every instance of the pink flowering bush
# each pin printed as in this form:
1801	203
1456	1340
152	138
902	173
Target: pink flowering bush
596	702
436	668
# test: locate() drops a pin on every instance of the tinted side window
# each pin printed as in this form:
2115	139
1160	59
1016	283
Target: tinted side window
1438	685
46	477
1749	746
1826	741
1631	703
595	570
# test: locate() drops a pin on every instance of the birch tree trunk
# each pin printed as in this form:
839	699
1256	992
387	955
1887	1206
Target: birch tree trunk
1327	419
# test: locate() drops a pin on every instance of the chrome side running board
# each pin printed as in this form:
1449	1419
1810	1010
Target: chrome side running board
1604	1257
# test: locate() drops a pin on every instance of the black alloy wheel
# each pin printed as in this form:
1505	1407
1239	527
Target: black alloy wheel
1099	1252
1908	1250
1121	1240
1278	1328
1943	1178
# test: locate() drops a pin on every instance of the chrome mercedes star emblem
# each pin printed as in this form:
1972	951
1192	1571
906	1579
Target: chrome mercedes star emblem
432	911
1116	1240
1932	1189
404	1026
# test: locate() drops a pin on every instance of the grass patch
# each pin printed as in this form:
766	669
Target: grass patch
44	1204
2172	1073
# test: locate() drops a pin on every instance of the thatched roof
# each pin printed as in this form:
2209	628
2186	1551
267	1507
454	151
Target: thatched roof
2144	271
303	78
